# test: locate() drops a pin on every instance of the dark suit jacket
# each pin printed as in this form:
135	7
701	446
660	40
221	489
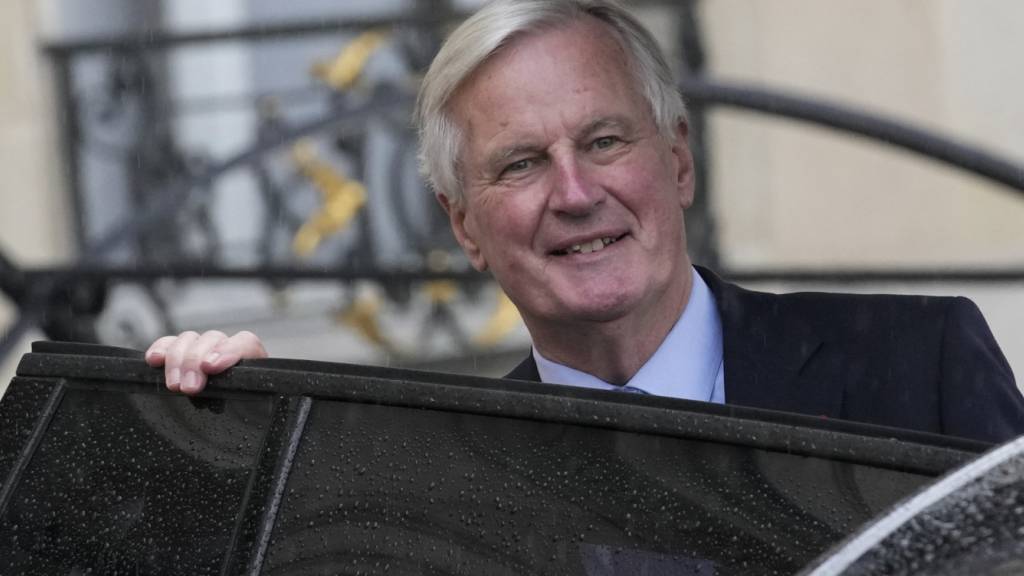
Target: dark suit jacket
920	362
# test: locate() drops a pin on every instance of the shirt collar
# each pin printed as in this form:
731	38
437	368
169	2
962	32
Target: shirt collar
686	364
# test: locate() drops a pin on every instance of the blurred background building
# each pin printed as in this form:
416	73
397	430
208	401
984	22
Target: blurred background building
271	139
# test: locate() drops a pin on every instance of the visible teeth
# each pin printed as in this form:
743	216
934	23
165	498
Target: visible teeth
593	246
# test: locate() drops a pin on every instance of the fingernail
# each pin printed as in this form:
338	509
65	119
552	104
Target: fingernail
174	376
190	382
212	357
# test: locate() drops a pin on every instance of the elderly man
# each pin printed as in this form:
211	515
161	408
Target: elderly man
555	140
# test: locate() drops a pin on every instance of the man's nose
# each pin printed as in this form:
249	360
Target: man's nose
574	191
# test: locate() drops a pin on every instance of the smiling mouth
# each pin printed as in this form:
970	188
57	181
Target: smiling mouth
588	247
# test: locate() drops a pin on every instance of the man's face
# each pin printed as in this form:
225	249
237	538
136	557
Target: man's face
572	197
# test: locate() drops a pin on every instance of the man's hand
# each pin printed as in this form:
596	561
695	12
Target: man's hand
189	357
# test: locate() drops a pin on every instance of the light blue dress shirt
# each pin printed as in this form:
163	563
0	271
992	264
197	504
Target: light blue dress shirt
688	364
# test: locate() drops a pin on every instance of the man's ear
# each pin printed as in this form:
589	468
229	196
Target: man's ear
465	231
685	177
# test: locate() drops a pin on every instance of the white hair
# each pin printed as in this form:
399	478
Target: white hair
495	26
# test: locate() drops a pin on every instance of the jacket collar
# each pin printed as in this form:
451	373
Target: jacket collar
526	370
768	347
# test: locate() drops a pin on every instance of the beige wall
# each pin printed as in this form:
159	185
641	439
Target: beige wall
32	193
34	225
793	195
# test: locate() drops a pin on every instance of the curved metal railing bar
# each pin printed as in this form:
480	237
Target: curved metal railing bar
846	119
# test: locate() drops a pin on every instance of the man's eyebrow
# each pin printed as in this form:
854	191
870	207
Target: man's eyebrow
616	122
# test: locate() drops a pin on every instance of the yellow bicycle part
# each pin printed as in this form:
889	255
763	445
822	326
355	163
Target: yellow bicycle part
342	200
502	322
344	71
362	315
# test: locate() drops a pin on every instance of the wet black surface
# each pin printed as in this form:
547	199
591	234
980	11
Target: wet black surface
970	523
377	488
309	468
132	484
18	418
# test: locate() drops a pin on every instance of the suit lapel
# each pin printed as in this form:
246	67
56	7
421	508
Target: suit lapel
526	370
770	352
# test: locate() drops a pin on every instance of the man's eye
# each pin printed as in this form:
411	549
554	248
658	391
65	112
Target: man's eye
605	142
518	166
